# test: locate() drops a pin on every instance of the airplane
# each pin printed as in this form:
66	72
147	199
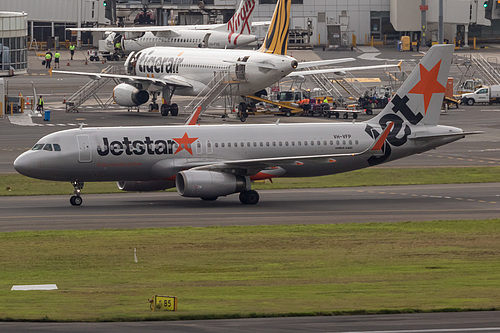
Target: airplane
236	32
190	71
211	161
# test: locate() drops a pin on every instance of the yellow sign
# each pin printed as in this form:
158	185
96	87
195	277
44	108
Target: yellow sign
167	303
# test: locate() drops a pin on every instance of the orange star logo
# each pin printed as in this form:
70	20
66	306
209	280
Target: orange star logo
184	143
428	84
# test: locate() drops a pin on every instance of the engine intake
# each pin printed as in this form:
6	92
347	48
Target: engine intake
126	95
208	184
145	186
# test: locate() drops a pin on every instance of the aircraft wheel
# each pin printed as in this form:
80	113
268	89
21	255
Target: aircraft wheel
242	107
249	197
164	110
151	107
174	109
354	116
346	115
76	200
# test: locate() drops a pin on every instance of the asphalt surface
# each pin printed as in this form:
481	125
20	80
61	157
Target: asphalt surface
341	205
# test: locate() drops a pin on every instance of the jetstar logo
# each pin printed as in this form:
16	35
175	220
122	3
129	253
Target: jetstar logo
146	146
238	24
428	84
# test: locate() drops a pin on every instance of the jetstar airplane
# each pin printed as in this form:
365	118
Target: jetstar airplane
236	32
217	160
190	71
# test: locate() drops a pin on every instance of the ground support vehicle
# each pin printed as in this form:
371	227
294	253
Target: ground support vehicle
486	94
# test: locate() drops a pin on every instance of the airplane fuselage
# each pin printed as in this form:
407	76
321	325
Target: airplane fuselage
252	70
160	152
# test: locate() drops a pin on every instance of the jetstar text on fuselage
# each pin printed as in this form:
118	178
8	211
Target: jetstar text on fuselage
136	147
153	64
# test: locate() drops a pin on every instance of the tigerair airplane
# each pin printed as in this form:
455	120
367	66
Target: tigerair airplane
189	71
236	32
218	160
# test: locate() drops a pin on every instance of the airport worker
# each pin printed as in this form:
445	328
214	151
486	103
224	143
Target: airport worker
57	55
325	100
40	103
48	59
72	50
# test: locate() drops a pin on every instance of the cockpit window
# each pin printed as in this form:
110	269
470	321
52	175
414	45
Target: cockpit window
38	146
47	146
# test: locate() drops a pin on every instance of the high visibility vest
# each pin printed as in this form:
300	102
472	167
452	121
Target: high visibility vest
72	47
48	56
57	55
40	101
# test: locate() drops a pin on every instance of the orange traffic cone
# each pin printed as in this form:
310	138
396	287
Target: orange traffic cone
67	63
86	61
64	100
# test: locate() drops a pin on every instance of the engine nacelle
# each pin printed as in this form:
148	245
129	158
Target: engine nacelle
208	184
126	95
145	186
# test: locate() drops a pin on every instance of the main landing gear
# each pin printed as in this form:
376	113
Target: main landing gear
172	108
249	197
76	200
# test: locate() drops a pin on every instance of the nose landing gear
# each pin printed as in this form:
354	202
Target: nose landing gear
76	200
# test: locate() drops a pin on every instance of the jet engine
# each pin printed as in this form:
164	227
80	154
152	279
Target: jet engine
128	95
145	186
208	185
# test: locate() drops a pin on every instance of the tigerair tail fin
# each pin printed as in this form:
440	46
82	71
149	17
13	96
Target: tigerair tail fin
276	40
418	101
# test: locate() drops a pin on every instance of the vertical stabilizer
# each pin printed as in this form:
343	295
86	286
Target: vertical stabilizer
241	22
276	40
419	99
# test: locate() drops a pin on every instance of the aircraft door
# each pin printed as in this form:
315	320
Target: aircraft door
84	151
240	68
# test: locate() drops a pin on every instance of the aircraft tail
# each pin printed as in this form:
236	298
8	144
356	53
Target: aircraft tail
241	22
419	99
276	40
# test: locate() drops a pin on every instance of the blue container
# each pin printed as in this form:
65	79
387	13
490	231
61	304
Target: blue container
46	115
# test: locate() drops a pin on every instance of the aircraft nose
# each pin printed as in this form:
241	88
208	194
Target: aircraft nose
23	165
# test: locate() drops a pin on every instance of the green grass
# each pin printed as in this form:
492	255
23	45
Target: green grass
15	184
226	272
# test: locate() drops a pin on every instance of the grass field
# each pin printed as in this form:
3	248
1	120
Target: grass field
225	272
15	184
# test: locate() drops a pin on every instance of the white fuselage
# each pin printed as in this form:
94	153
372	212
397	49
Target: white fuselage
252	70
182	38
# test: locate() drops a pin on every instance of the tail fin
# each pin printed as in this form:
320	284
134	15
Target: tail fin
276	40
419	99
241	22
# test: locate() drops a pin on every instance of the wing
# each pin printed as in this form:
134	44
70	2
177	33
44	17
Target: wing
173	80
341	71
307	64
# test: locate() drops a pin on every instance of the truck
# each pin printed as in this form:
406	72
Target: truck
486	94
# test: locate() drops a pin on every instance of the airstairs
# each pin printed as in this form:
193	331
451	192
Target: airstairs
477	66
220	83
90	89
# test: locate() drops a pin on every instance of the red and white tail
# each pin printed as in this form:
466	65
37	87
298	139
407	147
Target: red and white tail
241	22
418	101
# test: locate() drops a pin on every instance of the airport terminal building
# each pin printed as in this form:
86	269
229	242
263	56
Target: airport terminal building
335	23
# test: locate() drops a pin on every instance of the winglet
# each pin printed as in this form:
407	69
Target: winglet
381	139
193	119
399	65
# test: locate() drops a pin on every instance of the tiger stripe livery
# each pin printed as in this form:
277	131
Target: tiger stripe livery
276	40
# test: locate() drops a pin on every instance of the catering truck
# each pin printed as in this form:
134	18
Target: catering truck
486	94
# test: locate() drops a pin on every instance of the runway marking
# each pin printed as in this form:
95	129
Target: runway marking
427	196
482	329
